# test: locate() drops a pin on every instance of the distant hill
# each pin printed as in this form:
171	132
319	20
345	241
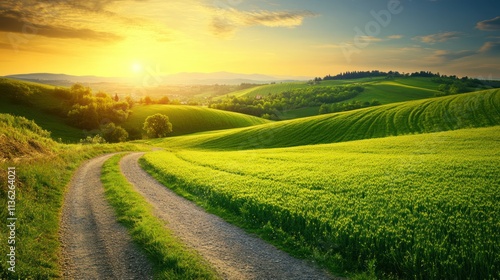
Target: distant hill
178	78
477	109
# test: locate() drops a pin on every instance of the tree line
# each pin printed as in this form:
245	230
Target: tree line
268	106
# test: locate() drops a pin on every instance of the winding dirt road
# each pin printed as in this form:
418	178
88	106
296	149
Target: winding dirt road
95	246
232	252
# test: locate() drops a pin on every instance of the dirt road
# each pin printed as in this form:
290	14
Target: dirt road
232	252
95	246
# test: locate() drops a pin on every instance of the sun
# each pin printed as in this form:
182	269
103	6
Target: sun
136	68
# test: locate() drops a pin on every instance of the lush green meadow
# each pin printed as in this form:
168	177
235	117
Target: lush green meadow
477	109
191	119
417	206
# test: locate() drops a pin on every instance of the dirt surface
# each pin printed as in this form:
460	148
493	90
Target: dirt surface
95	246
232	252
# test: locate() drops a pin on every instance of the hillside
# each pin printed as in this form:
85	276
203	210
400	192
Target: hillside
37	102
478	109
42	104
20	138
191	119
376	90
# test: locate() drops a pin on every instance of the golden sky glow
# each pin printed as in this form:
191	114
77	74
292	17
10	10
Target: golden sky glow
306	38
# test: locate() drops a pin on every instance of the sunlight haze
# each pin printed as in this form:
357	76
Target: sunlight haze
302	38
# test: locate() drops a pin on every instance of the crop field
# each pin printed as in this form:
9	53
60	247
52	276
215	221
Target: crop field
418	206
477	109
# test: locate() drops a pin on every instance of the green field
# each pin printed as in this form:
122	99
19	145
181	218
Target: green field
191	119
422	206
415	202
476	109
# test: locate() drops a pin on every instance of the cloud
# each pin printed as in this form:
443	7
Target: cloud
444	55
226	21
16	25
397	36
92	20
490	48
370	39
439	37
489	25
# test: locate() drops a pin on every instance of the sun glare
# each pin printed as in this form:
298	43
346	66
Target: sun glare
136	68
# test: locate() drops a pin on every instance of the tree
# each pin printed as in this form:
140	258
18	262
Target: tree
113	133
157	126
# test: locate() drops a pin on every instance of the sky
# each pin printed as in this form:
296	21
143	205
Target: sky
128	38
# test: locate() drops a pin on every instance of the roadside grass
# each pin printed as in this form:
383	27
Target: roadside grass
43	171
170	257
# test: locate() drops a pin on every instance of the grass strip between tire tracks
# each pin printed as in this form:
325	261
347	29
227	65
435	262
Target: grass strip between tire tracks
170	258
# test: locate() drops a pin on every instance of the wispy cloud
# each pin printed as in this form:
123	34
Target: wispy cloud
439	37
444	55
226	22
394	37
12	22
489	25
71	19
490	48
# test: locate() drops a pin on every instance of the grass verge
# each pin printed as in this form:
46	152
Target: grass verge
171	259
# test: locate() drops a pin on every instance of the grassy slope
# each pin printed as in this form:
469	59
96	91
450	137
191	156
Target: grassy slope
421	206
191	119
477	109
44	102
385	91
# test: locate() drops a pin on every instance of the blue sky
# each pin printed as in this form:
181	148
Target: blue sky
277	37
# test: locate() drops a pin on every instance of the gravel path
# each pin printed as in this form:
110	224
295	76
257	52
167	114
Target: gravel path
95	246
232	252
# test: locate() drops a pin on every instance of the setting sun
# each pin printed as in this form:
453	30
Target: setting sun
136	68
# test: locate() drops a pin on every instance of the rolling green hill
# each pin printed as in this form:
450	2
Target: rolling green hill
191	119
39	103
477	109
380	89
385	91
